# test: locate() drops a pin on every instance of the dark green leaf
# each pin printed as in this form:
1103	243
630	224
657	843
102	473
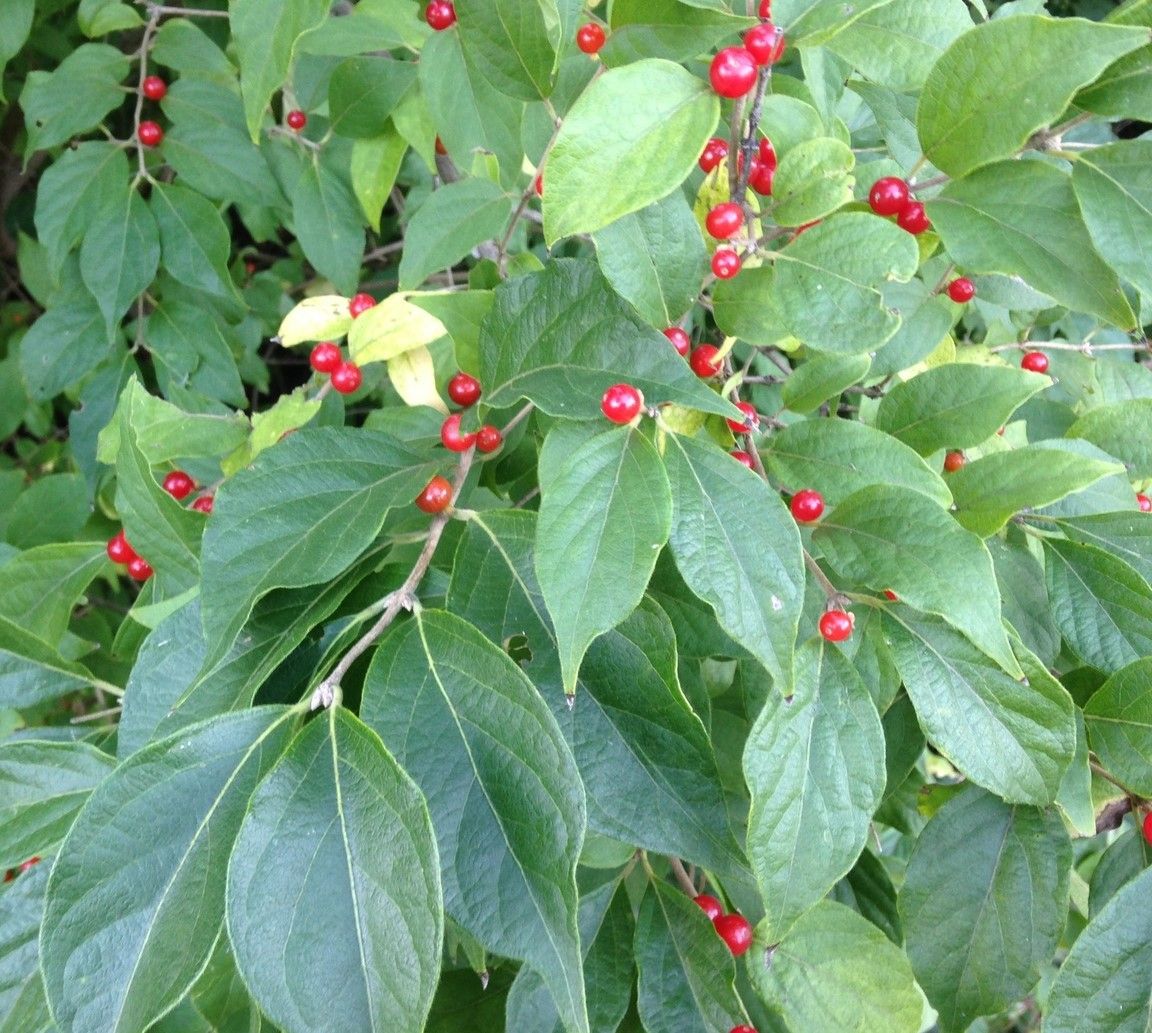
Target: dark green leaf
507	41
194	240
66	343
447	226
821	378
31	671
39	588
329	226
1119	722
1126	535
1123	860
364	91
74	97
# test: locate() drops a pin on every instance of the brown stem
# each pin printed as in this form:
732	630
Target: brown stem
1112	817
682	876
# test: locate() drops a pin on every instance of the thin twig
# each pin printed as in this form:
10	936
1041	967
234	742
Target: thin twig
145	44
682	876
830	589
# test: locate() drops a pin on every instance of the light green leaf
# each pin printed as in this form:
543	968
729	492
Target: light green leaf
334	902
74	97
194	240
1123	429
678	32
1124	90
1121	862
374	167
984	903
290	412
329	226
1119	722
364	91
641	128
507	41
821	378
813	22
814	178
392	328
100	17
39	587
926	319
31	671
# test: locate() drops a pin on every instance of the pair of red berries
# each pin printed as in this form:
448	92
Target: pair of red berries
120	552
735	930
179	485
892	196
734	70
327	358
440	14
590	38
465	391
1034	362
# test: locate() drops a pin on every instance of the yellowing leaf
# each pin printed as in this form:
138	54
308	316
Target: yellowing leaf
392	328
414	378
316	319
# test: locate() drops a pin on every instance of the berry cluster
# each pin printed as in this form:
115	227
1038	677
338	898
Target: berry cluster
892	196
149	133
327	358
734	929
122	553
464	390
735	70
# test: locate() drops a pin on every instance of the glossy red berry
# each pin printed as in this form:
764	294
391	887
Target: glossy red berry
464	390
1034	362
436	496
204	503
725	264
296	120
440	14
453	438
347	378
119	551
751	419
725	220
913	218
807	505
360	304
954	460
715	151
888	196
742	1029
325	357
154	88
767	153
622	403
704	362
179	485
488	439
679	338
150	134
765	42
1144	502
736	931
590	38
1147	829
139	569
891	596
745	458
836	625
709	905
733	72
761	178
961	290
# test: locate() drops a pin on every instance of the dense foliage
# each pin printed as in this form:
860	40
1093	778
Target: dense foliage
476	479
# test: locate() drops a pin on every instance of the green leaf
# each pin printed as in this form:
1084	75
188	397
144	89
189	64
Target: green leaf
1025	597
136	897
1123	90
364	91
15	25
814	763
641	128
826	284
1102	606
193	353
653	28
31	671
328	225
958	405
836	972
507	41
43	785
737	548
838	457
1126	535
194	240
685	971
926	319
74	97
497	756
265	34
1105	982
462	314
447	226
334	902
894	538
184	47
612	488
1119	722
289	413
1014	738
814	178
23	1008
1121	862
66	343
1123	429
1006	78
990	490
39	587
561	336
822	378
300	515
984	903
816	21
373	171
655	259
1020	218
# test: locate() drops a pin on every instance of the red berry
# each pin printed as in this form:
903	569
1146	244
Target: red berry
453	438
680	339
961	290
767	153
1035	362
888	196
954	460
150	134
743	457
715	151
736	931
709	905
891	596
751	419
204	503
836	625
440	14
1148	827
360	304
761	177
464	390
733	72
622	403
436	496
154	88
139	569
913	218
765	8
704	362
765	42
27	865
590	38
119	551
296	120
725	264
347	378
1144	502
440	148
179	485
325	357
725	220
488	439
807	505
742	1029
